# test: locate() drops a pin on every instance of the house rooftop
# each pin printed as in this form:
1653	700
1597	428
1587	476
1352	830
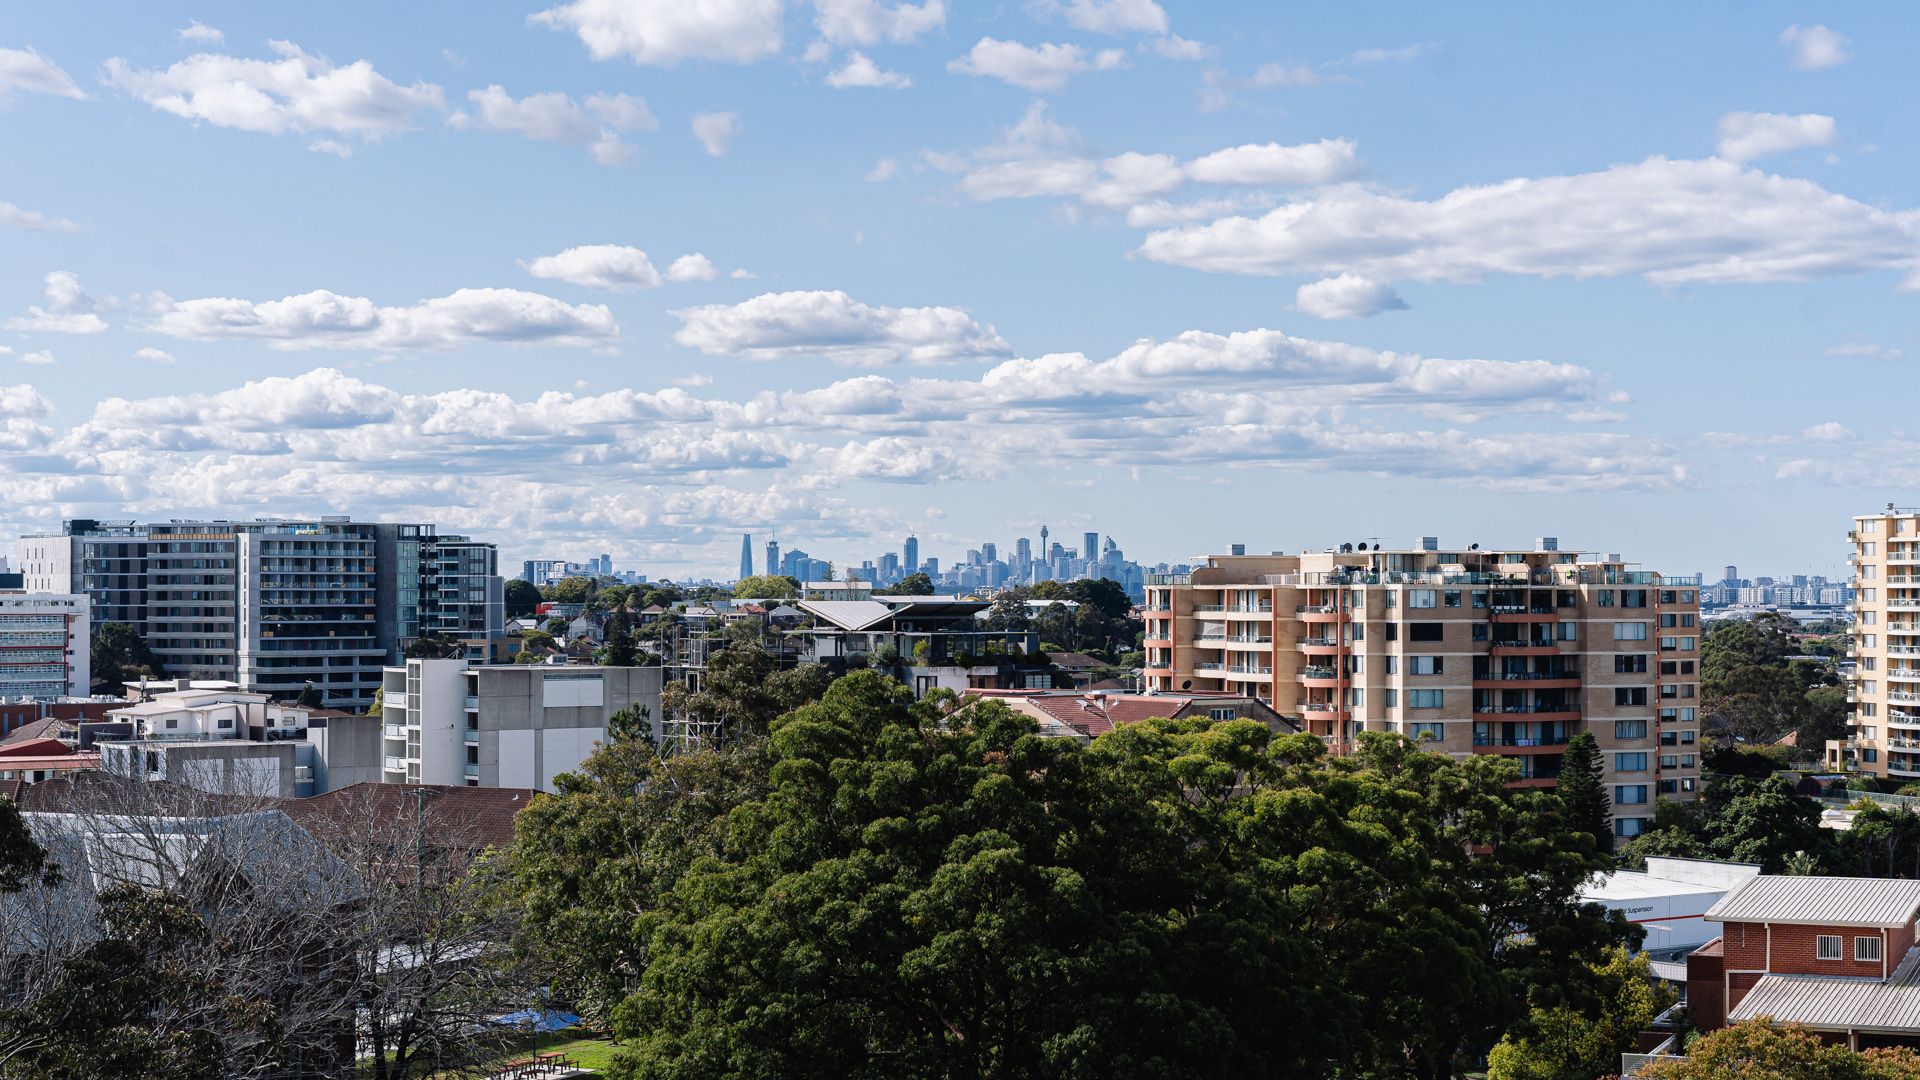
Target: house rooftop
1819	901
1838	1002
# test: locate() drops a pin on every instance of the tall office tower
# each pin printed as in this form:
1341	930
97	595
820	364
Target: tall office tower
746	556
773	557
1023	549
1733	575
973	557
989	552
1482	652
1090	546
1884	687
277	605
932	567
910	554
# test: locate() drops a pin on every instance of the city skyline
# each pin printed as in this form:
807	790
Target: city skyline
1093	259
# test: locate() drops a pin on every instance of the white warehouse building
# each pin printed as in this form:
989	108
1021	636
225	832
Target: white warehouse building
448	722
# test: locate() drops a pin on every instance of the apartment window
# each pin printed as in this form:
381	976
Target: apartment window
1423	732
226	721
1393	629
1633	598
1426	665
1393	664
1668	716
1479	631
1629	794
1356	696
1629	631
1426	631
1669	690
1669	644
1422	598
1669	761
1629	695
173	722
1629	663
1390	697
1566	631
1604	598
1633	729
1220	714
1630	762
1870	755
1451	598
1866	948
1480	598
1827	947
1629	826
1869	733
1425	699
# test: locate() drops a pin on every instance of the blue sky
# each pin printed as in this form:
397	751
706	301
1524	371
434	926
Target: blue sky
635	277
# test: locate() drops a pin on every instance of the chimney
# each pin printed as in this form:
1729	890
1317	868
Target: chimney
1547	543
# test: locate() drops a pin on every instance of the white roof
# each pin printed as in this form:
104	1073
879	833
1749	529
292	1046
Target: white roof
1819	901
1638	885
1839	1002
848	614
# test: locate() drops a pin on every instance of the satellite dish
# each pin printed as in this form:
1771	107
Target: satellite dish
1473	547
1186	684
1361	547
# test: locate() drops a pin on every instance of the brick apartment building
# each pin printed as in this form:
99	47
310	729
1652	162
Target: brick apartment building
1478	652
1834	954
1884	684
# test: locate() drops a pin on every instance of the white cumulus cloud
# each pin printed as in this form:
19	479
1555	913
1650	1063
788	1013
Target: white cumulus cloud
716	130
26	69
69	310
322	319
833	325
1748	135
1347	296
1041	68
861	71
199	33
665	33
299	92
28	219
1305	164
1815	47
1112	16
1673	222
153	355
871	22
555	117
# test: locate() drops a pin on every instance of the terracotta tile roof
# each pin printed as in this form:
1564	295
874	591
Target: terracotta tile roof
484	814
42	747
35	729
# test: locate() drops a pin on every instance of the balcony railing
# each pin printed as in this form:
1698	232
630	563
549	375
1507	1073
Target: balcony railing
396	764
1322	706
1317	609
1320	642
1526	676
1501	740
1314	672
1525	709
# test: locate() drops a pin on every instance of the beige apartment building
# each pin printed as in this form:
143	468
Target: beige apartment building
1884	687
1477	652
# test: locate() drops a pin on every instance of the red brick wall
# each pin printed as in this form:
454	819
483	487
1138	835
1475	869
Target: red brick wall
1898	942
1794	951
1706	987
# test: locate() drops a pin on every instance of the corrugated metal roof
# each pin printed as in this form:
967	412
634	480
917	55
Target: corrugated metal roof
1839	1003
1819	901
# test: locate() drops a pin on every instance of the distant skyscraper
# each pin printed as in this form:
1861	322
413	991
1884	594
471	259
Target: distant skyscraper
773	556
1023	550
910	554
989	552
1733	574
1043	541
1090	546
746	555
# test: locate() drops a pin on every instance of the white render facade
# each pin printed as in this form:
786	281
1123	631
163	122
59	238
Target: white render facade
45	642
445	722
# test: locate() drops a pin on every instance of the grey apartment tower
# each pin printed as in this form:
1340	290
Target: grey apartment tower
276	605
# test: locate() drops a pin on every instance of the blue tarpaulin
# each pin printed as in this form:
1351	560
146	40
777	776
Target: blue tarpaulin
538	1020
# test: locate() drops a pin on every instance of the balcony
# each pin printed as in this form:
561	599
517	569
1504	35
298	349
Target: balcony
394	731
1519	743
473	737
1526	710
1525	648
396	764
473	703
1526	676
1322	707
1313	671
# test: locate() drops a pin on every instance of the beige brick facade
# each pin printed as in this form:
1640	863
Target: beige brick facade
1481	652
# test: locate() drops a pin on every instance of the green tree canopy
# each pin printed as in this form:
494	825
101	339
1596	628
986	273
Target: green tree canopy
523	597
1763	1050
569	590
1563	1042
118	653
914	584
766	587
913	896
1583	788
